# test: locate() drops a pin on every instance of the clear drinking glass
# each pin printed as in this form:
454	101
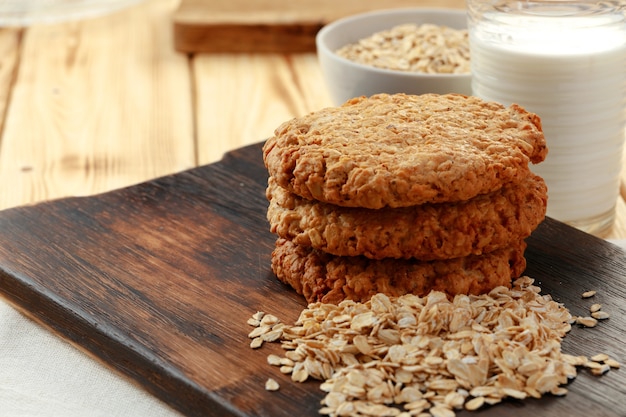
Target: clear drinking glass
30	12
565	61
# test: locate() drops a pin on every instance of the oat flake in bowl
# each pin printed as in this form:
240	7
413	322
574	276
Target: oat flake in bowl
426	48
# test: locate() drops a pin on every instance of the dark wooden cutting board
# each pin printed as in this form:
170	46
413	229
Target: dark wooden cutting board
157	281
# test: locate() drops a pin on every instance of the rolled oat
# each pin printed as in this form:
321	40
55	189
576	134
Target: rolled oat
425	48
413	355
271	385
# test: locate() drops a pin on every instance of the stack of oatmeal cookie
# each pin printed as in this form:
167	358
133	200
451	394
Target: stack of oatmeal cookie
404	194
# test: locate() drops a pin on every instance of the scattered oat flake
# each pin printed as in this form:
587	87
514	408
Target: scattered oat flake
286	369
600	315
258	331
559	391
253	322
272	335
601	370
256	343
595	307
258	316
575	360
475	403
431	355
286	362
274	360
271	385
441	411
592	365
588	294
269	319
587	321
612	363
600	357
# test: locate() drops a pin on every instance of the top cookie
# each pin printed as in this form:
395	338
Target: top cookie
403	150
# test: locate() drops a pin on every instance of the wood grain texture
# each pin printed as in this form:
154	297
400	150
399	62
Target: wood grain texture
158	280
242	98
97	105
282	26
9	59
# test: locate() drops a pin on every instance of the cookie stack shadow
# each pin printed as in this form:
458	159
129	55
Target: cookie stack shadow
402	194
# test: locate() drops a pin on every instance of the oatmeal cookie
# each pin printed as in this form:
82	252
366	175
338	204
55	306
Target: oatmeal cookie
427	232
319	276
402	150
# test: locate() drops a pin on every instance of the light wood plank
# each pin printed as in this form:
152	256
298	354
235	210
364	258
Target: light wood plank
97	104
241	99
9	58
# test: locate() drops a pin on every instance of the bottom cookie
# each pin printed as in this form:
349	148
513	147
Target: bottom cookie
319	276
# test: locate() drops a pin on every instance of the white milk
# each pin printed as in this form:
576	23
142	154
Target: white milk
571	71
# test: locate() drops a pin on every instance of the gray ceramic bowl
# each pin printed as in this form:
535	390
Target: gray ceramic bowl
346	79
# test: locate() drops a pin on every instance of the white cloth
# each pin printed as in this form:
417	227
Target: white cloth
42	375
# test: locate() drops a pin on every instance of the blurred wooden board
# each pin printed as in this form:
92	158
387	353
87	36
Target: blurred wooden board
158	279
269	25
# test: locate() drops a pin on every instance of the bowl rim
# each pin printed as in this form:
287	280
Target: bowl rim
402	11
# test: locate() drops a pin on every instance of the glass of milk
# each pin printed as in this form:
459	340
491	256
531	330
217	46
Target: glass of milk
566	62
